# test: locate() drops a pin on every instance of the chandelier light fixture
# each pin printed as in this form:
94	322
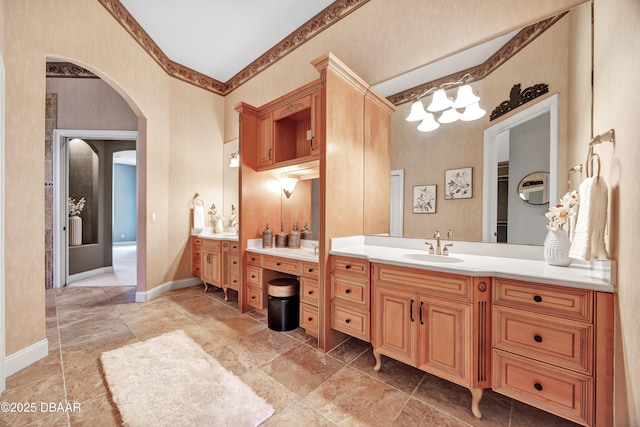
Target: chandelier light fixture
446	107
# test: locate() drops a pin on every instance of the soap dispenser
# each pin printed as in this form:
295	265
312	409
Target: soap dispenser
294	237
281	238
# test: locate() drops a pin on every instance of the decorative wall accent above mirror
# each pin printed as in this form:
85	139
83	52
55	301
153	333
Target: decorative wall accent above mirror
518	97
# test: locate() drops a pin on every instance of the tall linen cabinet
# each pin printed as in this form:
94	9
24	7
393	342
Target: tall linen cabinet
350	130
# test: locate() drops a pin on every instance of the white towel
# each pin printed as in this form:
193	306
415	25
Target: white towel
588	239
198	216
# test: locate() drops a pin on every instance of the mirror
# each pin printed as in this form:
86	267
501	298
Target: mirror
230	175
300	200
559	57
532	188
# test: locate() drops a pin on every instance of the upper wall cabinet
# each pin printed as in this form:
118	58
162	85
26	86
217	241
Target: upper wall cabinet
288	130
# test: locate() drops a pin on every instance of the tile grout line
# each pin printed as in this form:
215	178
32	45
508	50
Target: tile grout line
64	379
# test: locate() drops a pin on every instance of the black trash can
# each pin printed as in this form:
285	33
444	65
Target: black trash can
283	310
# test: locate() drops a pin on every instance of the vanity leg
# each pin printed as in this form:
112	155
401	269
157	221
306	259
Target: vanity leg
378	360
476	395
226	294
206	286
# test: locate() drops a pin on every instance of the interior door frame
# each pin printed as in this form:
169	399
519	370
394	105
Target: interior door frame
490	160
2	235
61	191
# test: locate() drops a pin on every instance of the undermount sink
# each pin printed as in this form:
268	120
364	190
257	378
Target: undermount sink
432	258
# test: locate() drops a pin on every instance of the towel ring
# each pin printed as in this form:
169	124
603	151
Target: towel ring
590	165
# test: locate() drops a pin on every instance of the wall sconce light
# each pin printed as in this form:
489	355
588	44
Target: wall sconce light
288	185
465	98
235	160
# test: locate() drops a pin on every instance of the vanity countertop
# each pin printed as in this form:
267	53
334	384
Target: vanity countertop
207	233
594	276
306	252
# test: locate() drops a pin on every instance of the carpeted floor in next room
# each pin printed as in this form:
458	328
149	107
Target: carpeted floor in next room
305	386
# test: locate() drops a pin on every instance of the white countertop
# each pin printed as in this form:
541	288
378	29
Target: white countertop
486	261
305	252
207	233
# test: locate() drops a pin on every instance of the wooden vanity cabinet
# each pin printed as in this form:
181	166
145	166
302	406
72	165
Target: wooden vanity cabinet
230	274
550	348
437	322
309	295
196	253
350	293
210	261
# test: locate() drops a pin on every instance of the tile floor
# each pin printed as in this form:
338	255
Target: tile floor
305	386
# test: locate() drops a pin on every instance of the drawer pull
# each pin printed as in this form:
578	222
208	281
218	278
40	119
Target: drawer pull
347	267
537	338
277	263
235	262
411	311
253	297
347	321
347	291
310	270
309	319
253	276
538	386
253	259
310	292
421	304
235	281
537	298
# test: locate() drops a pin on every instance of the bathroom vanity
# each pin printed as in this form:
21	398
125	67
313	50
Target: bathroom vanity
215	258
484	318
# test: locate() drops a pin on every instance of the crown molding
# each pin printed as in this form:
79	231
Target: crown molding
479	72
67	69
323	20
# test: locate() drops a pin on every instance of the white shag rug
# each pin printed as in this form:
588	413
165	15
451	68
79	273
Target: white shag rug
170	380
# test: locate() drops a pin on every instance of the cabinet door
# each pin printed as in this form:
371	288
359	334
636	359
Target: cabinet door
211	268
215	269
206	271
395	323
444	337
265	141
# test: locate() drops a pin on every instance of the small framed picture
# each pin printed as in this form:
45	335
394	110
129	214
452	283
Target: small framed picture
424	198
458	183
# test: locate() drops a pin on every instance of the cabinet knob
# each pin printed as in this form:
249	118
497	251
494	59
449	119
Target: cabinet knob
310	270
253	297
347	266
538	386
347	291
537	338
537	298
277	263
310	292
347	321
309	319
253	276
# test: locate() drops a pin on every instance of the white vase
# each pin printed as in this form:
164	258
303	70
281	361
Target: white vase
218	227
75	231
556	248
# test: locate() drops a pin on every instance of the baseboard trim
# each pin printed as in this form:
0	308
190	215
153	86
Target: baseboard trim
25	357
166	287
91	273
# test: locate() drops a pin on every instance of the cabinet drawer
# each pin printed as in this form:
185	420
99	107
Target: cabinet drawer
350	291
196	255
309	291
437	284
284	265
350	320
570	303
561	342
234	281
559	391
234	247
253	259
196	270
254	275
353	267
309	319
310	269
210	245
256	297
196	242
234	264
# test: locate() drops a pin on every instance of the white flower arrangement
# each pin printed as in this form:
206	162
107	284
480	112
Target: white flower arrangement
75	208
560	214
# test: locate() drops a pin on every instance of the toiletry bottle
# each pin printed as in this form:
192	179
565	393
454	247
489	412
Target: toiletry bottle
267	241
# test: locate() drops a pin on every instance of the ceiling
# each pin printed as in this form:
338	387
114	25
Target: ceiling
220	38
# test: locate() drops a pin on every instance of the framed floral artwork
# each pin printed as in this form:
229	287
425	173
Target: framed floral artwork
458	183
424	198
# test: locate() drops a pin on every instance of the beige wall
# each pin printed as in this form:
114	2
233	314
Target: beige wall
90	104
183	127
616	68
